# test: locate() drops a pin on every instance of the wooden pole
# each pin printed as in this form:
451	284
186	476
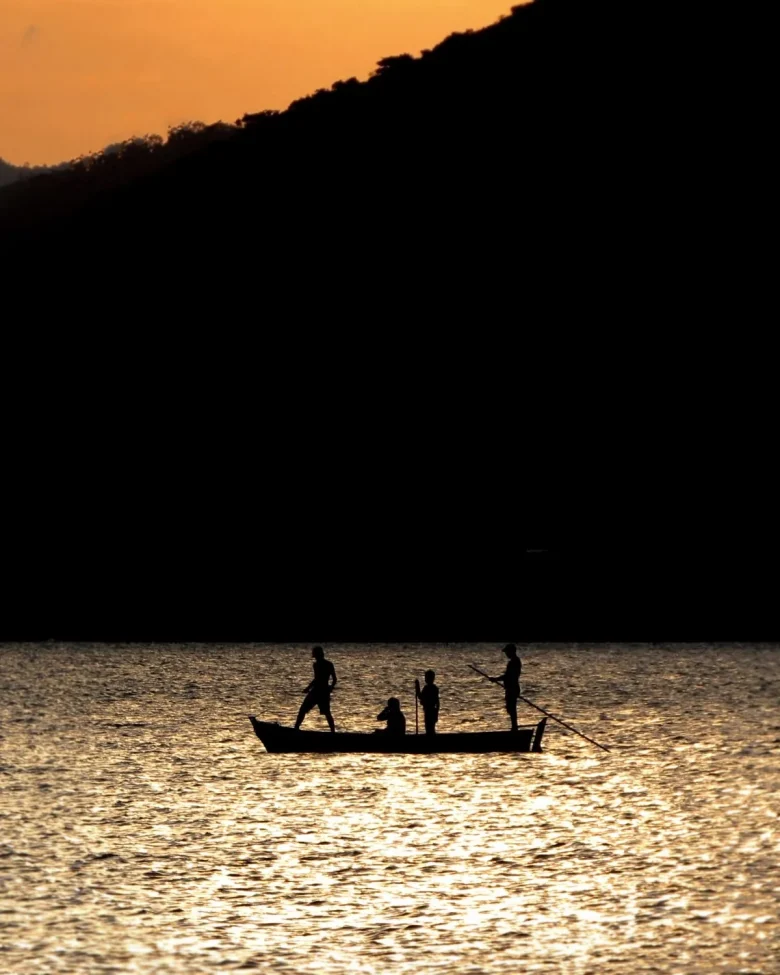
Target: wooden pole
549	715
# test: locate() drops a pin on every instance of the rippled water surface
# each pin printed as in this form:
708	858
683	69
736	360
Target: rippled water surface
144	829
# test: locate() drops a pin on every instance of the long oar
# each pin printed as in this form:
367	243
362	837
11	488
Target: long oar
549	715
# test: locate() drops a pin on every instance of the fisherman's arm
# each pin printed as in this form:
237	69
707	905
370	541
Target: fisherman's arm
333	675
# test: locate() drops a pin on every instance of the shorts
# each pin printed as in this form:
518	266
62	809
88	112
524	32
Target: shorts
318	698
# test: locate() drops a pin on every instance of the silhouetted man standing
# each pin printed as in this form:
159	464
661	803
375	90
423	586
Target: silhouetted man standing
319	691
511	682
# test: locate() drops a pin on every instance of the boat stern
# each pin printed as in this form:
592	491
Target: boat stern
538	735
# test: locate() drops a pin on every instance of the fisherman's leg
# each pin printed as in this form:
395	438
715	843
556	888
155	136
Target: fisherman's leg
511	706
323	704
306	706
430	724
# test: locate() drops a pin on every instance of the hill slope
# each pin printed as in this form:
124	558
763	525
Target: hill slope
8	173
13	174
560	144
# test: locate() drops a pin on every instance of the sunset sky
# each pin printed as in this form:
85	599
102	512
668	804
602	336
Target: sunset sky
76	75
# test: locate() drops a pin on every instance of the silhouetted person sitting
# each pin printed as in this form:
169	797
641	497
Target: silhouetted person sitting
429	698
319	691
394	716
511	681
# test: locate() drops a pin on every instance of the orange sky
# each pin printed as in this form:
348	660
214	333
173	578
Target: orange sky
76	75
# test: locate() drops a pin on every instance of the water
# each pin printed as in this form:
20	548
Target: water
144	829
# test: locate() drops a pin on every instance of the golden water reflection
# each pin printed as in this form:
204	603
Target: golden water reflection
144	829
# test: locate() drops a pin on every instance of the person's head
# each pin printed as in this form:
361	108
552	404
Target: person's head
318	653
510	650
393	704
430	676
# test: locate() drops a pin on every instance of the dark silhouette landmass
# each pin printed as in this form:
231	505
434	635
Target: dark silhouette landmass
569	128
15	174
321	374
8	173
67	191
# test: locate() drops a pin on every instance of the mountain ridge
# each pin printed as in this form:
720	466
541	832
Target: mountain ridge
561	143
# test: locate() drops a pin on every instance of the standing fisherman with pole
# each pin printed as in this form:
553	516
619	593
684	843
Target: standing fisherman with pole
511	651
511	681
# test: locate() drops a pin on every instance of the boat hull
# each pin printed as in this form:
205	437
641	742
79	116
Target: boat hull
280	740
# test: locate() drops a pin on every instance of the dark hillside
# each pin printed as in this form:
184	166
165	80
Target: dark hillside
558	146
8	173
551	236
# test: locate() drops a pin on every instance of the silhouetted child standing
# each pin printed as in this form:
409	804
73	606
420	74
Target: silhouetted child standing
429	698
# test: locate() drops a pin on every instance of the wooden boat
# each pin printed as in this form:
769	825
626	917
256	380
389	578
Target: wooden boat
278	739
